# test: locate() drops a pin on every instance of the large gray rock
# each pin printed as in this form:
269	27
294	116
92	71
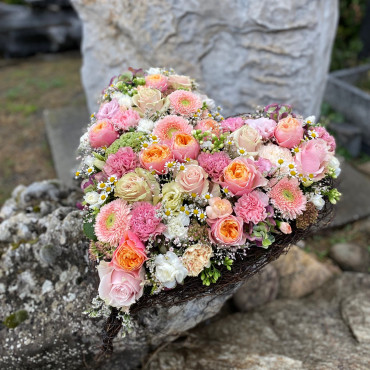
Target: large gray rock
245	53
328	330
46	282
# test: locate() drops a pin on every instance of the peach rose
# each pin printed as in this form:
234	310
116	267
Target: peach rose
241	176
313	158
155	156
184	146
193	179
102	133
248	138
119	288
227	231
157	81
210	125
196	258
179	82
130	254
289	132
218	208
148	99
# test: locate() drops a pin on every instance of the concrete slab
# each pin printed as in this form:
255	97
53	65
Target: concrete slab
355	202
64	127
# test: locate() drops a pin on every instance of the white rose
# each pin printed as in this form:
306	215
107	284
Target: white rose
317	200
335	165
176	227
169	270
92	197
145	125
122	99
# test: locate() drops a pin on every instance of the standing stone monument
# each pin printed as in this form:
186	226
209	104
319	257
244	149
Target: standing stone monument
244	52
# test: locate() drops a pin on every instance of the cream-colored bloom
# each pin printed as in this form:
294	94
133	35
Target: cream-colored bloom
177	227
172	195
149	100
247	138
196	258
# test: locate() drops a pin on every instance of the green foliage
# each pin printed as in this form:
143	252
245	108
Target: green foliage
348	45
131	139
89	231
228	262
16	318
210	275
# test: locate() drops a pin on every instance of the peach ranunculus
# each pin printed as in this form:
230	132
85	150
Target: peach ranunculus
313	158
102	133
196	258
247	138
241	176
210	125
155	157
119	288
149	100
218	208
185	146
289	132
179	82
193	179
130	254
227	231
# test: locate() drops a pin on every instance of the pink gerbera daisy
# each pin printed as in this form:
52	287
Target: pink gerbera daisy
112	222
184	102
169	125
288	198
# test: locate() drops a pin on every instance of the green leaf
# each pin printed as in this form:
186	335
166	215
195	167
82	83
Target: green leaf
89	231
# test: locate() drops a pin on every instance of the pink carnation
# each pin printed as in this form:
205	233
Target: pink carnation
123	161
264	126
184	102
168	126
231	124
112	222
123	120
323	134
251	207
108	110
288	198
214	164
145	222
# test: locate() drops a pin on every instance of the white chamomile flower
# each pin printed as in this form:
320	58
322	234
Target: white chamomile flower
112	179
280	162
227	192
312	134
242	151
90	170
207	196
167	213
103	197
295	150
310	120
101	185
170	165
202	216
77	174
145	125
292	169
181	167
109	188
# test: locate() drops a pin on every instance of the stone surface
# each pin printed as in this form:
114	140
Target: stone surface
308	333
64	127
45	272
348	136
244	53
300	273
350	256
257	291
355	201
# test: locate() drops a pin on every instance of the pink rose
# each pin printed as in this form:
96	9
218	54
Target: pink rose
184	146
179	82
251	207
193	179
102	133
313	158
264	126
241	176
248	138
264	166
231	124
130	254
323	134
123	120
108	110
289	132
285	228
218	208
121	162
119	288
227	231
157	81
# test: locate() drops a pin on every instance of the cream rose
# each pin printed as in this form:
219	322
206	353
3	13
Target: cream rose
196	258
247	138
148	99
172	196
193	179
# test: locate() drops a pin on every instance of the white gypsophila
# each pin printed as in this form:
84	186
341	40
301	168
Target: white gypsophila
154	71
84	142
317	200
310	120
169	270
122	99
177	227
92	197
335	165
206	144
145	125
89	161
